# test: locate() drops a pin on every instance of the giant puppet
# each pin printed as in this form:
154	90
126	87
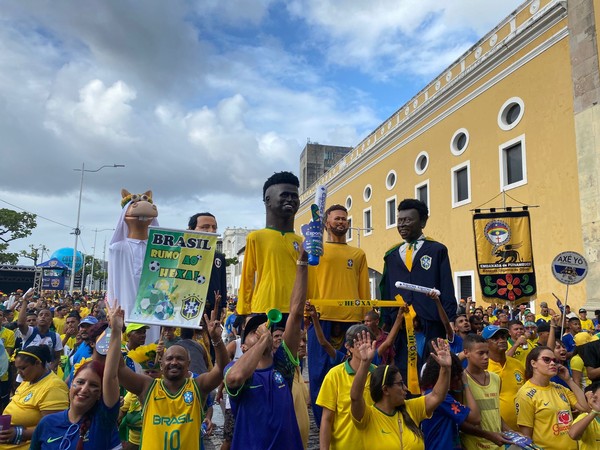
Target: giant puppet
128	247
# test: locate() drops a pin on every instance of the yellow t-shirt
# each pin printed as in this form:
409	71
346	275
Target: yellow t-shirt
59	324
488	400
335	396
172	418
269	271
520	353
512	375
342	273
547	409
48	394
547	318
301	399
8	339
578	365
131	404
591	436
382	431
84	311
587	325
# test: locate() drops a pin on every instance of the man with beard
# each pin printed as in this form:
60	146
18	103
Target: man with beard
342	273
173	404
269	266
422	261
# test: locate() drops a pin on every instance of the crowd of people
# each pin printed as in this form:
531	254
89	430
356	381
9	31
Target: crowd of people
422	371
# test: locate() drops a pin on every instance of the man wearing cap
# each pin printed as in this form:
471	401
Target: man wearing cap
510	370
85	349
262	374
544	313
136	336
586	324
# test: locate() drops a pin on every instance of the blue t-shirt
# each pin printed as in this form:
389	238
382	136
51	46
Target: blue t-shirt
102	434
84	351
441	431
263	407
569	342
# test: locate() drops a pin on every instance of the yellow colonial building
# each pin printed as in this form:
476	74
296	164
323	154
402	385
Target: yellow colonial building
514	121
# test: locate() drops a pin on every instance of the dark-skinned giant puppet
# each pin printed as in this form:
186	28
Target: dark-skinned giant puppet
128	248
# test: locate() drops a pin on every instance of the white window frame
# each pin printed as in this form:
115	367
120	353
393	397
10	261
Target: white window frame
453	148
349	198
389	219
502	161
388	185
467	164
424	183
370	188
418	170
367	231
465	273
502	123
350	232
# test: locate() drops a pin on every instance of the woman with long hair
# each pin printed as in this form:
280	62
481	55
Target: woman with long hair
393	422
91	420
41	393
544	407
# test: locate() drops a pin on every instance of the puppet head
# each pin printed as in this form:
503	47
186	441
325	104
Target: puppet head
140	206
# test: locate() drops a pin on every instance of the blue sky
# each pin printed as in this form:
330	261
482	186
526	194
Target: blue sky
202	101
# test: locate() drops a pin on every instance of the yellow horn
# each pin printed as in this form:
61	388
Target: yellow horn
273	316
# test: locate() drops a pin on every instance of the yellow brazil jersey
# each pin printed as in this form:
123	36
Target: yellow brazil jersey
512	375
578	365
342	273
49	393
382	431
8	339
172	421
131	405
520	353
587	325
591	436
269	271
59	324
547	410
335	396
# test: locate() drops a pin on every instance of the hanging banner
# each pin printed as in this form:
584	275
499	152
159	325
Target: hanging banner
175	276
504	255
53	283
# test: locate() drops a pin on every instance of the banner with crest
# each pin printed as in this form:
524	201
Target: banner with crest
504	255
175	277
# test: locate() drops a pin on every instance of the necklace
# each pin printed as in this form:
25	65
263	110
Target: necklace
482	383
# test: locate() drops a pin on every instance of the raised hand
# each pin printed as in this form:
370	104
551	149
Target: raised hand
214	327
115	315
563	372
364	346
311	310
441	352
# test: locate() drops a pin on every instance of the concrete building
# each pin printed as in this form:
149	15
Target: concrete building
514	121
317	159
233	242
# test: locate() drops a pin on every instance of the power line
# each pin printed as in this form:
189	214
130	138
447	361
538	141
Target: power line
37	215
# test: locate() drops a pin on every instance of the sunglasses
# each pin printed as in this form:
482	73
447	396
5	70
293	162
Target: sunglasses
548	360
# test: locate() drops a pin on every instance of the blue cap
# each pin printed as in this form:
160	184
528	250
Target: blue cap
490	330
91	320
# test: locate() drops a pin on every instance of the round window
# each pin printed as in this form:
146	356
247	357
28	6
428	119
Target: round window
348	202
421	163
511	113
390	180
459	142
367	192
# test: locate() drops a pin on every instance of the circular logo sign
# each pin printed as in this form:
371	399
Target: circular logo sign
569	267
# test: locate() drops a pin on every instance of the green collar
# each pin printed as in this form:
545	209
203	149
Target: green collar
351	371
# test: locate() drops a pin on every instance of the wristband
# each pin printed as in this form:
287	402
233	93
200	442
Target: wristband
217	343
18	435
301	263
595	413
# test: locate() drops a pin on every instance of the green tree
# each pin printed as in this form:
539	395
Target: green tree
13	225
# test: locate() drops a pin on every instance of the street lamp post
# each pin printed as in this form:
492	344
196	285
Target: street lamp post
77	231
358	230
94	257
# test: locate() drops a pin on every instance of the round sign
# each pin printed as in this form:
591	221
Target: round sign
569	267
65	256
